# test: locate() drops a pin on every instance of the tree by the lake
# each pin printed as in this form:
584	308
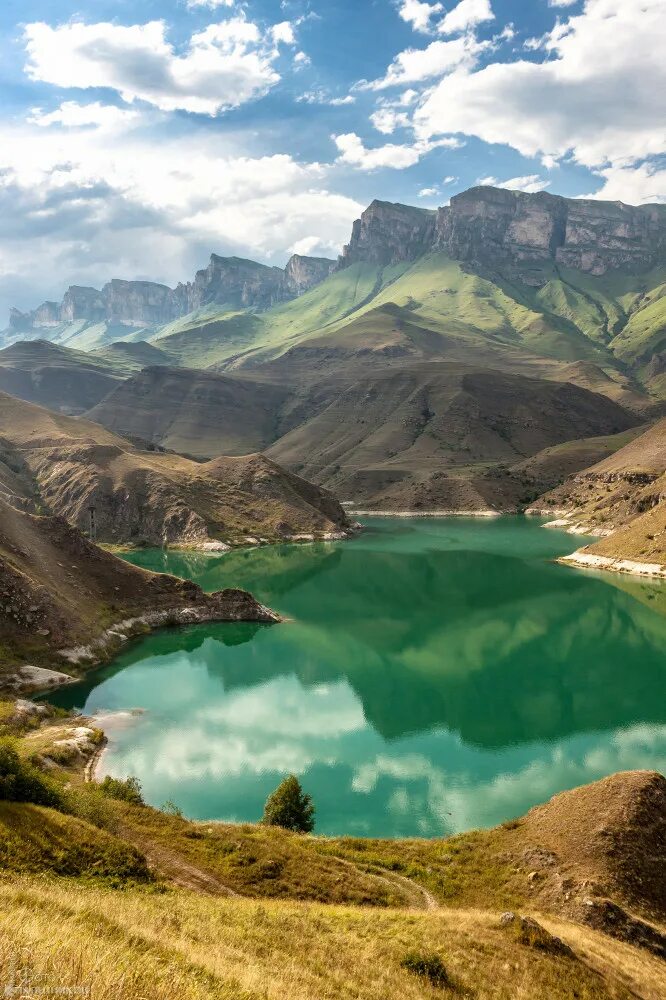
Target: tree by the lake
290	807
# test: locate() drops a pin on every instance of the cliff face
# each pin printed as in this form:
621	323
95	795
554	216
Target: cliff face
388	233
492	227
241	284
489	225
303	273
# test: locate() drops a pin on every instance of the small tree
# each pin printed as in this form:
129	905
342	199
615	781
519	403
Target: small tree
290	807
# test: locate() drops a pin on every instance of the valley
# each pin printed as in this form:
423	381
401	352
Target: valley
187	595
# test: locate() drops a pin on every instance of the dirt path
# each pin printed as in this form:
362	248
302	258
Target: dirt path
175	868
415	895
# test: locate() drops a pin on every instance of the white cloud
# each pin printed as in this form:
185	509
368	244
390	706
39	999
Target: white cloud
283	33
353	152
393	156
338	102
387	120
71	114
598	95
531	183
466	15
211	4
428	192
450	179
639	185
301	60
90	204
416	65
561	3
419	14
224	66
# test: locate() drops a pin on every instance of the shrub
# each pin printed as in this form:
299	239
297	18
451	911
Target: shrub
289	807
427	966
171	809
21	781
127	790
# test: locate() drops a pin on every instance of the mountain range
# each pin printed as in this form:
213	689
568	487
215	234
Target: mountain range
468	358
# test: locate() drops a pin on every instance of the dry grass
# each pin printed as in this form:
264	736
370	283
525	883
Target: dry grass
137	946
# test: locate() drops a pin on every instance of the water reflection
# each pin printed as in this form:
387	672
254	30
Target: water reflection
425	684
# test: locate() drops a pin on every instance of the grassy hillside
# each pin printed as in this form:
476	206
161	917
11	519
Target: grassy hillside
572	317
222	910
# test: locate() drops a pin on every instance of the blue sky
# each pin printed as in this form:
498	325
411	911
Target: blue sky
137	137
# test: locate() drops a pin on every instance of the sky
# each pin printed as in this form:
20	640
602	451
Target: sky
139	136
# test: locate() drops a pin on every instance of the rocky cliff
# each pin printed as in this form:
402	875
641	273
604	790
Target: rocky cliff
230	281
495	227
388	233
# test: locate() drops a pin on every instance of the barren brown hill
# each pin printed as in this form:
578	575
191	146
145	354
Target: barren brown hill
623	498
196	413
59	590
145	497
424	437
58	377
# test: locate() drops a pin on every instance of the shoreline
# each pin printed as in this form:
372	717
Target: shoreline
613	564
432	513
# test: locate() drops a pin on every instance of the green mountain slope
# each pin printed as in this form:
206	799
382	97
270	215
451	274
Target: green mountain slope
440	306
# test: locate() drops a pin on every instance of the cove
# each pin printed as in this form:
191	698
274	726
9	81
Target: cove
437	675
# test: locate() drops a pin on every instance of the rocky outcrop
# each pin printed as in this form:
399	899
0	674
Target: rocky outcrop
495	227
230	281
238	283
61	594
303	273
389	233
491	226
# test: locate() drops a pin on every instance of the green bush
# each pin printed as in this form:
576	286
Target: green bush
21	781
427	966
289	807
127	790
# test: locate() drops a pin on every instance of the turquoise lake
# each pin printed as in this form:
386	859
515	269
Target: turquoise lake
437	675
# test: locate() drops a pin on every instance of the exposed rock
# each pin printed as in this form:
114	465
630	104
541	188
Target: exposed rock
303	273
532	934
493	226
388	233
230	281
490	225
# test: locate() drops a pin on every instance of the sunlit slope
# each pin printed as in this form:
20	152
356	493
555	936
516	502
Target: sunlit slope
571	317
221	335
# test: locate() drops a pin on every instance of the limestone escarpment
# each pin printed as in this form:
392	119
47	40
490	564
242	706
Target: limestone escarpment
490	225
229	281
389	233
303	273
494	226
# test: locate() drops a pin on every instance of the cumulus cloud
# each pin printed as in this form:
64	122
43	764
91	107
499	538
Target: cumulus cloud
392	155
387	120
428	192
224	66
210	4
89	204
597	95
531	183
417	65
71	114
419	14
468	14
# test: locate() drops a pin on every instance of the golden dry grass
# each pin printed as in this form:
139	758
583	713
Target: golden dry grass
138	945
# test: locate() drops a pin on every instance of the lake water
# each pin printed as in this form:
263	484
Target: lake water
437	675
